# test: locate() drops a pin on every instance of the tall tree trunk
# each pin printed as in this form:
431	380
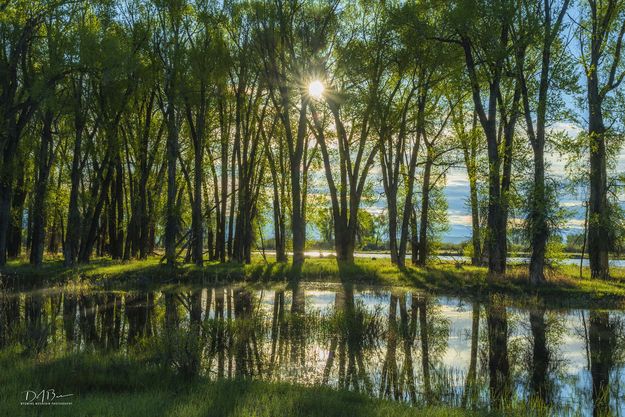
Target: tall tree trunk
539	199
392	161
72	240
119	206
277	202
605	43
233	202
425	207
278	226
14	244
540	228
392	228
598	225
197	226
476	258
414	238
171	220
143	215
298	227
210	238
469	151
41	188
115	210
345	197
196	223
91	229
220	245
496	236
6	191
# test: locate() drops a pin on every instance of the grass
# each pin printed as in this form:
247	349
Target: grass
563	287
111	385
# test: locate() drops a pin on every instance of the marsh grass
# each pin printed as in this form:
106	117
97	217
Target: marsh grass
117	386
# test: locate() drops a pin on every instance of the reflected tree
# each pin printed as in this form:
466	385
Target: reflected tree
498	364
602	345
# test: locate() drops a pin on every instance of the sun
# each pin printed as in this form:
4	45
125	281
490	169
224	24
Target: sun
315	89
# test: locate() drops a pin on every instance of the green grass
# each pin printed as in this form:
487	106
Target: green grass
564	286
116	386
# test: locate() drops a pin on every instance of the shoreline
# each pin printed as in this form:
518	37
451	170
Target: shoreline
563	287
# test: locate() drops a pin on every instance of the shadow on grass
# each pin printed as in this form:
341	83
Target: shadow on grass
562	286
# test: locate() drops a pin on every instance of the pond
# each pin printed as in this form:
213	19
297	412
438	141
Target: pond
511	260
390	343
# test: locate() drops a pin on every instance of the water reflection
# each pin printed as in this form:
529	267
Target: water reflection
399	345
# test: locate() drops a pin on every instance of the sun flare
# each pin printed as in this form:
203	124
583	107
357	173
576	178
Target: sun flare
315	89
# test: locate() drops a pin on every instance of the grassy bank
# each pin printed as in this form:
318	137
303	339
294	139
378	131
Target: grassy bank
107	385
564	286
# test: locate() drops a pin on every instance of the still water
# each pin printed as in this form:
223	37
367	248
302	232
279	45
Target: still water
389	343
511	260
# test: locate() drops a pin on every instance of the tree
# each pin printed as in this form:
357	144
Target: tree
208	60
469	137
483	28
21	83
601	37
356	154
169	43
49	109
292	37
547	29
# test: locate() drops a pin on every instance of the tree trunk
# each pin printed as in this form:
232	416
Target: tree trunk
496	237
538	218
171	219
414	238
469	150
196	222
278	226
220	245
298	225
210	238
476	259
143	215
6	194
115	224
425	207
119	202
607	27
598	225
14	244
233	201
392	227
72	240
278	215
91	231
41	189
344	244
